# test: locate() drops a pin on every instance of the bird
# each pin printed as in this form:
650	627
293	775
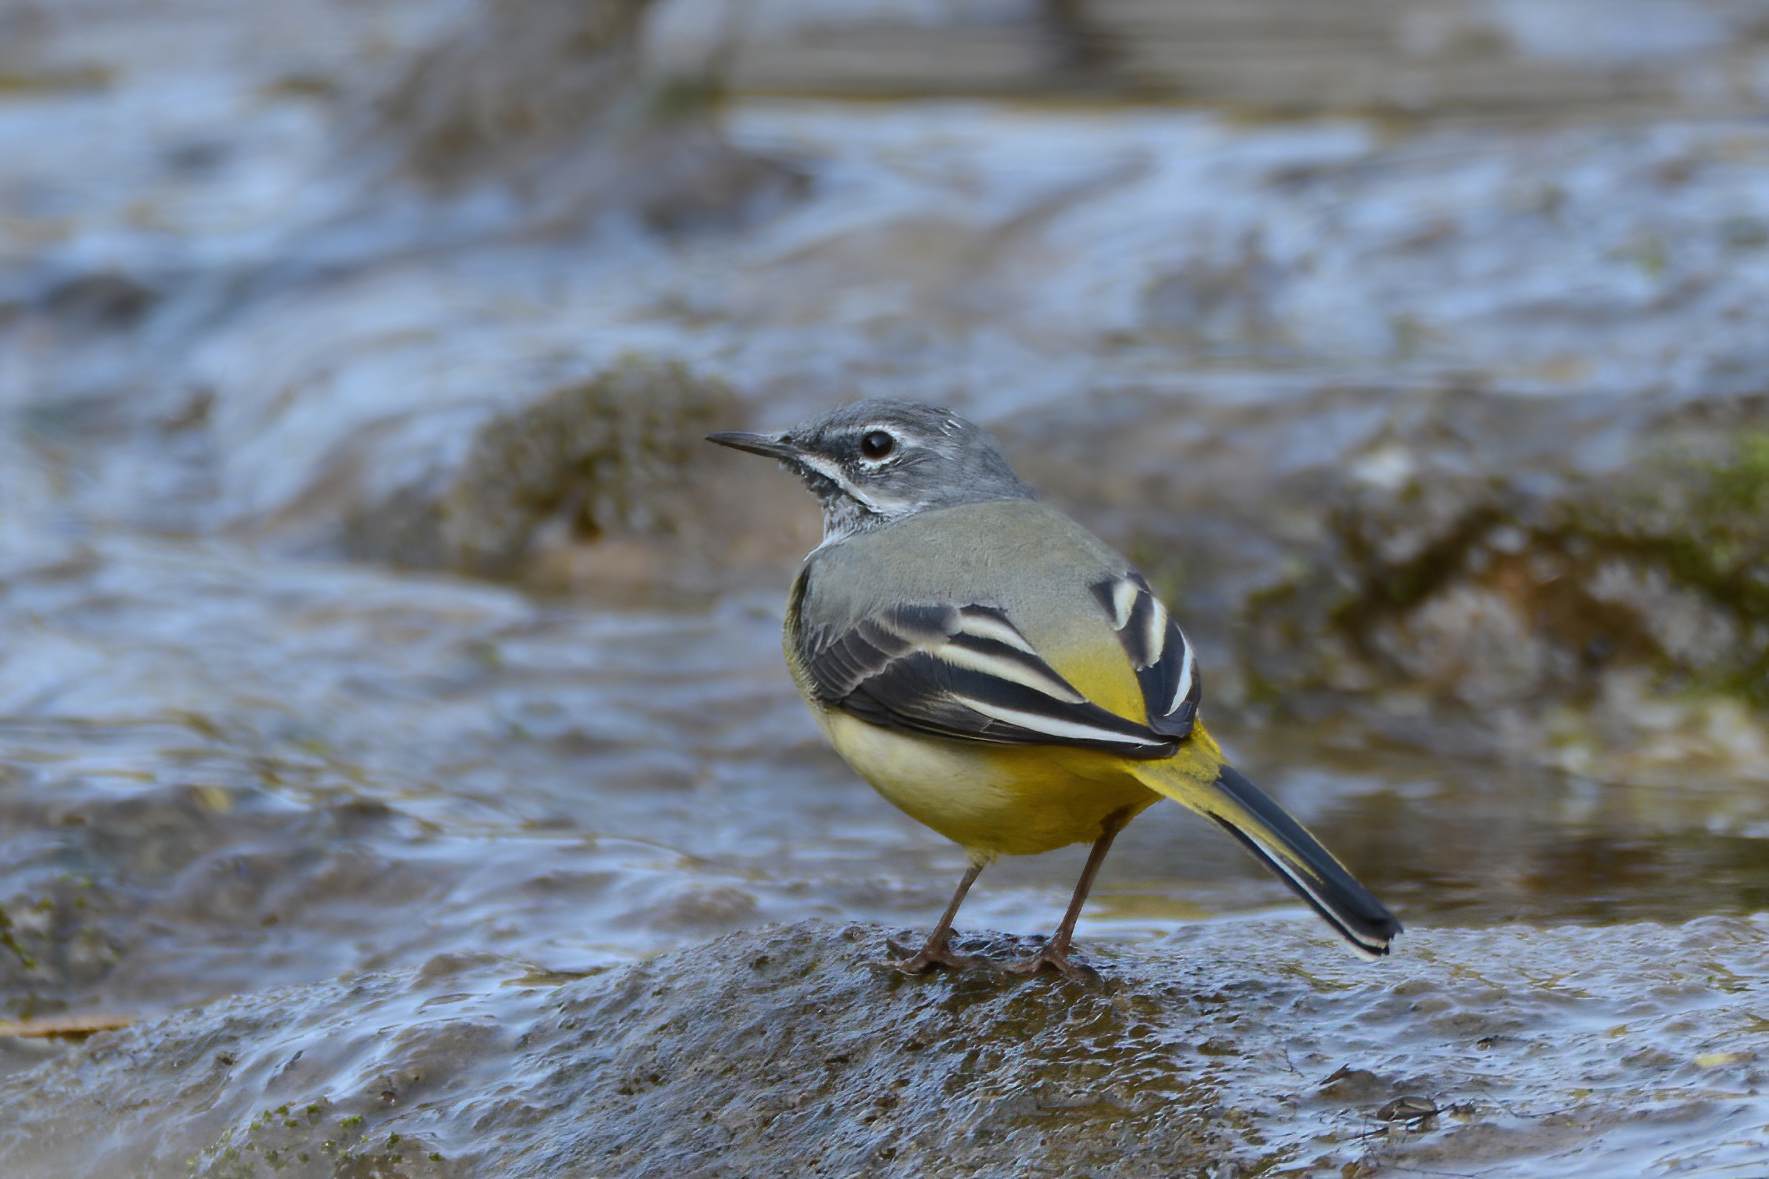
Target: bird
1002	675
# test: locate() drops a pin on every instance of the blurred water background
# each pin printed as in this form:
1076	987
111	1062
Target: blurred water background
368	602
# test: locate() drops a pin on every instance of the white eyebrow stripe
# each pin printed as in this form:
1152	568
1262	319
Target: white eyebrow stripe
1124	593
1051	726
985	626
1011	670
1183	689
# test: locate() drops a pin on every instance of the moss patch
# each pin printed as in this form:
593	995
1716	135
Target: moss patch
1481	591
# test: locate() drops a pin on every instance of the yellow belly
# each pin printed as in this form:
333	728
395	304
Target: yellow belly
991	799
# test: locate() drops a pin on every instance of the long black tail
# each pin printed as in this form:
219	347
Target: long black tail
1285	846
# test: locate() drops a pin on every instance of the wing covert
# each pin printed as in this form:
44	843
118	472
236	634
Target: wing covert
963	672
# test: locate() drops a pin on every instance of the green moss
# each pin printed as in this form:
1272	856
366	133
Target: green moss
1726	550
691	100
73	79
1706	526
1695	530
11	943
612	454
1743	483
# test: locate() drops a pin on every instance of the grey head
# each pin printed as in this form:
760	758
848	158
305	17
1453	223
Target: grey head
874	462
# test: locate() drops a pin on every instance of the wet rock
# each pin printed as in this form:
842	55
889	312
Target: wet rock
513	80
1509	596
547	104
1656	560
794	1043
99	300
612	455
116	900
1289	56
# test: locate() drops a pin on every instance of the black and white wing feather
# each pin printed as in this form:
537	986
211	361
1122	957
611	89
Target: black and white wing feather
1166	668
964	672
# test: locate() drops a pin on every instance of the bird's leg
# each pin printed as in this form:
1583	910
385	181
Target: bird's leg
1055	954
936	952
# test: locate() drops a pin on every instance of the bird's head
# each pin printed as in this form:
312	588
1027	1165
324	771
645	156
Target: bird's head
877	461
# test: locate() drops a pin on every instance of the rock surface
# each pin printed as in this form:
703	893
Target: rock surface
1401	57
1243	1049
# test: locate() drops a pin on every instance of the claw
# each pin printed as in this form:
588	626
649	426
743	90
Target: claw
1050	958
930	956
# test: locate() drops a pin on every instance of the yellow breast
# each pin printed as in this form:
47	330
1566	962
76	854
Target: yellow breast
991	799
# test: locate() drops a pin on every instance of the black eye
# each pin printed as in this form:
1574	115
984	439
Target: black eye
877	444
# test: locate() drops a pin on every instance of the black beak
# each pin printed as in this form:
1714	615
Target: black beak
767	445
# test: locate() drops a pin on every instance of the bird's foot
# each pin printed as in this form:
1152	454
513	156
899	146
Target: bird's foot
930	956
1056	958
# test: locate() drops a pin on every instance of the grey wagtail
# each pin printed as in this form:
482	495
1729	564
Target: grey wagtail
1003	676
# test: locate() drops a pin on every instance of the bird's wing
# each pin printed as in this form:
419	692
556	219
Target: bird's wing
965	672
1166	668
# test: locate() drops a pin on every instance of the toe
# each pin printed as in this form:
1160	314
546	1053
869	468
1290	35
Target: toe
927	958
